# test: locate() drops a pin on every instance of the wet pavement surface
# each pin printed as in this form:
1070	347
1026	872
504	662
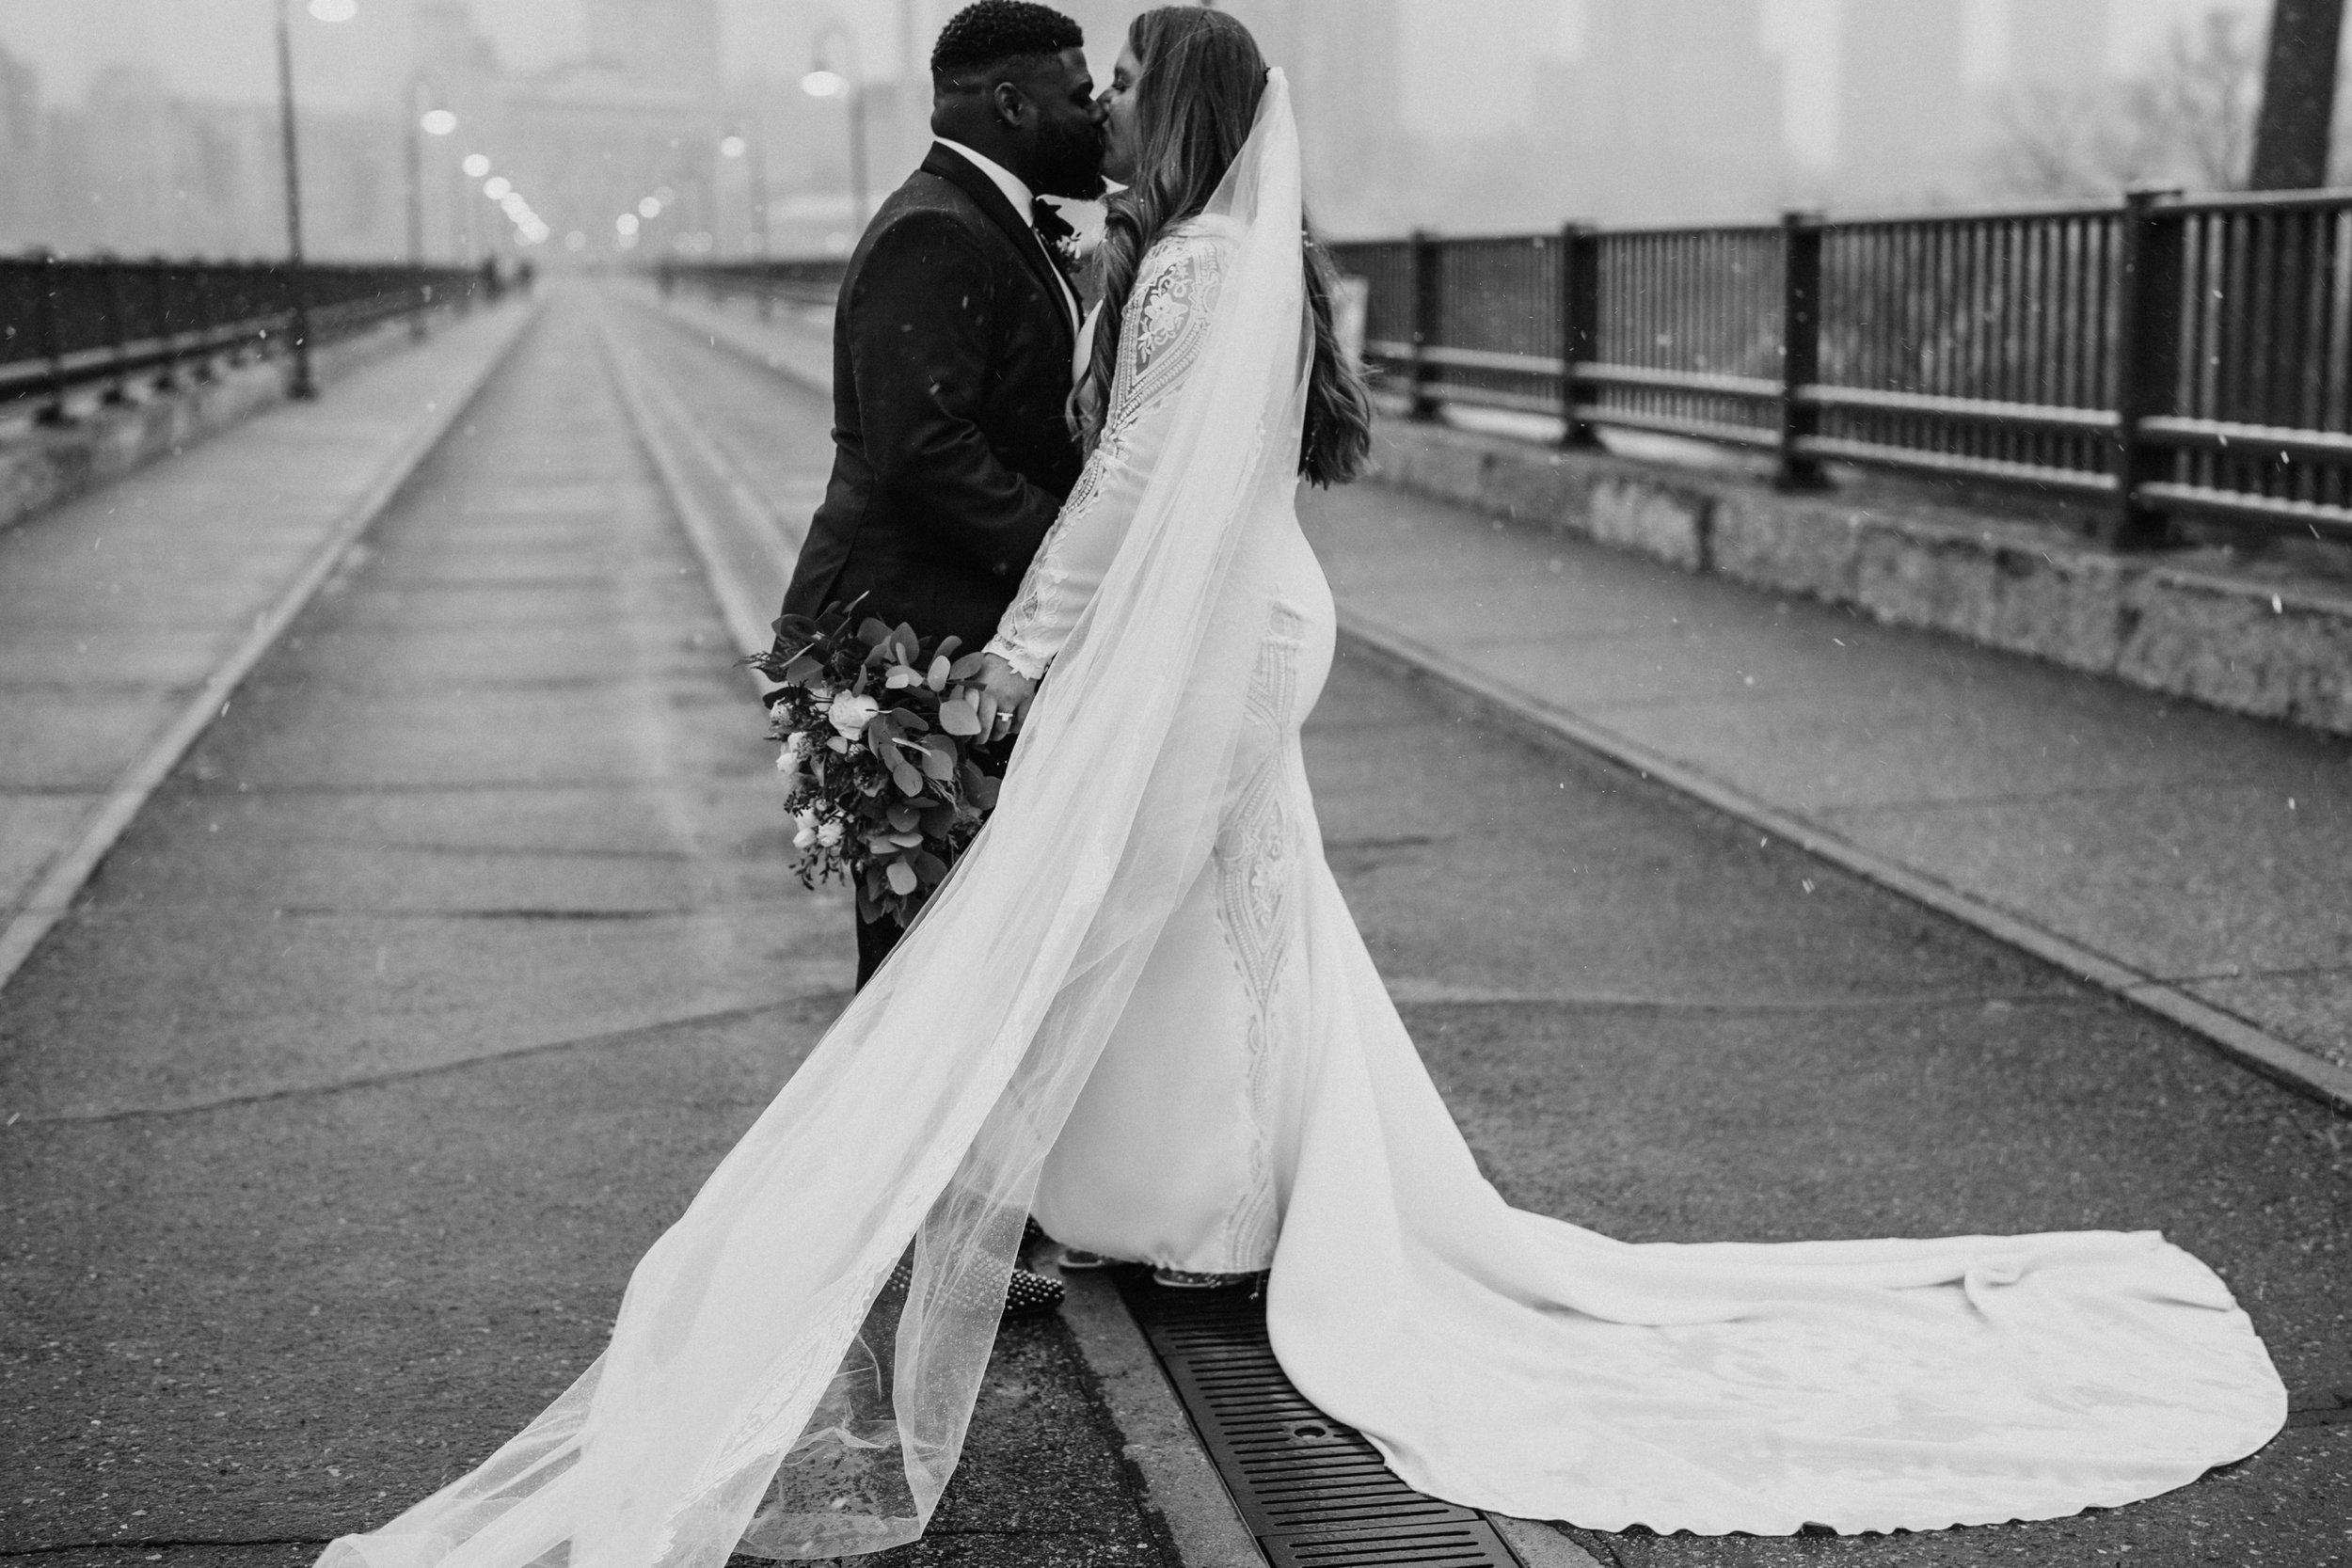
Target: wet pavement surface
426	991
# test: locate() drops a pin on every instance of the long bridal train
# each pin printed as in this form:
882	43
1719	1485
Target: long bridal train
1512	1362
764	1389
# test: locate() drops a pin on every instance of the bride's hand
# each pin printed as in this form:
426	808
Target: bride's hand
1005	694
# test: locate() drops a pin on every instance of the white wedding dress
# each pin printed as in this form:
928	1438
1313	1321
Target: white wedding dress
1141	1008
1169	1155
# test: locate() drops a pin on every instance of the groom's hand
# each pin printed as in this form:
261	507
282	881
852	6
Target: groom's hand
1004	695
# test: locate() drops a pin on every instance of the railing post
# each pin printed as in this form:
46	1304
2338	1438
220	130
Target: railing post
52	337
1800	349
207	280
2147	359
118	328
1428	298
300	382
167	367
1580	326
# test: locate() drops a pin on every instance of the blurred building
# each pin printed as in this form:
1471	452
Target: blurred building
1671	112
2058	43
1908	128
136	169
639	118
658	46
20	149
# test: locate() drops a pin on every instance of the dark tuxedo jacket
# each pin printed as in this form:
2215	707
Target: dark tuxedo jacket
950	369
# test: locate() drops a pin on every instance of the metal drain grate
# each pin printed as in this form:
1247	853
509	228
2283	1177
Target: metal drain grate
1315	1494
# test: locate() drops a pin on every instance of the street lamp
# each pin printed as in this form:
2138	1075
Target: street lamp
738	145
427	122
825	82
300	385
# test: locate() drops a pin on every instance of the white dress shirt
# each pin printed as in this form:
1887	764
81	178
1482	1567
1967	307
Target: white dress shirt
1017	193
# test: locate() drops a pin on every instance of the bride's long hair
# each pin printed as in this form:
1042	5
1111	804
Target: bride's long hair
1195	103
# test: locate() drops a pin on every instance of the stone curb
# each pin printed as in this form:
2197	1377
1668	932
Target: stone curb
1180	1481
43	468
2267	650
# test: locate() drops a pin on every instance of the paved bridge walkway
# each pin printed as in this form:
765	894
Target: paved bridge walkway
429	982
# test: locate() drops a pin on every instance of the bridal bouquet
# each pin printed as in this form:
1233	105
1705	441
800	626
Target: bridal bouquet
883	760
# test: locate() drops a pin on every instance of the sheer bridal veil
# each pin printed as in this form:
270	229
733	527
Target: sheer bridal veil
764	1389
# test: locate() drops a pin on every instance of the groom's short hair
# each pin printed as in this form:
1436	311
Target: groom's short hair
992	33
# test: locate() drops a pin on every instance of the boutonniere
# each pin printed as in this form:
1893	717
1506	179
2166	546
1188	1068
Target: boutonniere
1085	220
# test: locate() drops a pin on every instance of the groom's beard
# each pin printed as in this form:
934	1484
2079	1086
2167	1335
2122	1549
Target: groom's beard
1070	164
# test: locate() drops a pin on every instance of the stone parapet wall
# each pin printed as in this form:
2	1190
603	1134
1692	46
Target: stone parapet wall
2255	643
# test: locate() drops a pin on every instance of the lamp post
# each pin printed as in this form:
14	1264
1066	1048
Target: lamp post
423	122
474	165
300	385
824	82
736	144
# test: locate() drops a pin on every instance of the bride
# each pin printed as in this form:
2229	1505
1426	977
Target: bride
1141	1008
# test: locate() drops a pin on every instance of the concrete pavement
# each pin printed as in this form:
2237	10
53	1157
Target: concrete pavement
128	615
2188	859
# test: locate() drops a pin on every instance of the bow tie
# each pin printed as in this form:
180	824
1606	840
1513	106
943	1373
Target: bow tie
1051	228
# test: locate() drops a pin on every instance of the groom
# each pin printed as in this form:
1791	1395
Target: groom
952	344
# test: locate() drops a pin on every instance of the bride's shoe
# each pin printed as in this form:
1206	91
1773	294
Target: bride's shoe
1189	1279
1076	1258
1026	1294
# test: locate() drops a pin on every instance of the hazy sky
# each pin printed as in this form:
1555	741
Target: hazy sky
1476	59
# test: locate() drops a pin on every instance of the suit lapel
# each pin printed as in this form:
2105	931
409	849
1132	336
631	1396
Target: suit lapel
958	172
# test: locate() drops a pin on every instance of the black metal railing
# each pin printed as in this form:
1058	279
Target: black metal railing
806	281
2161	355
67	325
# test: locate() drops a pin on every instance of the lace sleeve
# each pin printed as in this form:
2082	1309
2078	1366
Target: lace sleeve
1165	323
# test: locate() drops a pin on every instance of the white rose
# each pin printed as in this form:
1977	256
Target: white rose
796	745
829	835
851	713
805	829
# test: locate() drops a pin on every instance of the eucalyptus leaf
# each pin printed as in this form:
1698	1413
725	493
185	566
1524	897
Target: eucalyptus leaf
958	716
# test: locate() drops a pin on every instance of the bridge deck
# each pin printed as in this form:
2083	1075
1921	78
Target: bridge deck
425	990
